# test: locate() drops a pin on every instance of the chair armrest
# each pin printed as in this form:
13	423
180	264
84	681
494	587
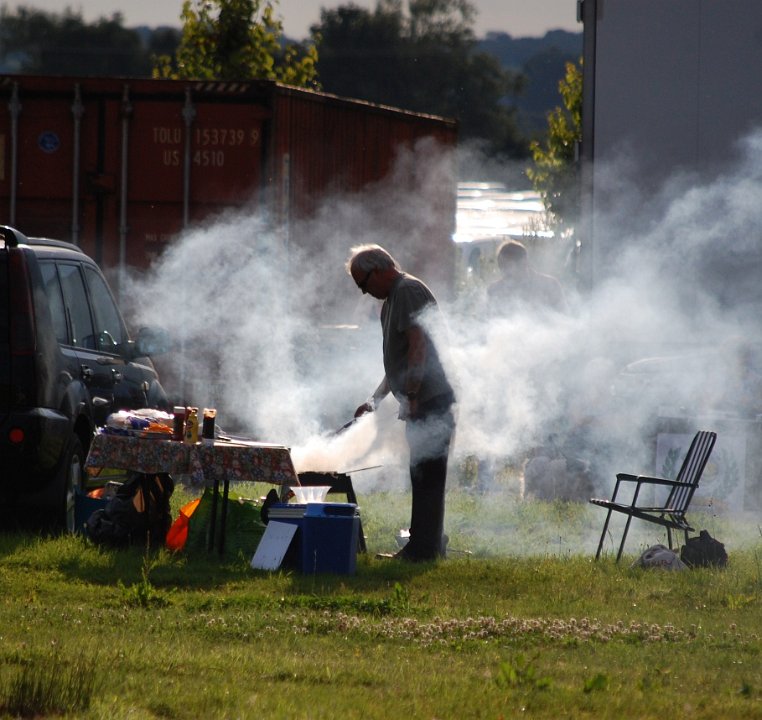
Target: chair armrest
640	481
649	480
626	477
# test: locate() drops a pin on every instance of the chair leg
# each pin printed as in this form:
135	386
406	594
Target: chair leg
624	537
669	537
603	534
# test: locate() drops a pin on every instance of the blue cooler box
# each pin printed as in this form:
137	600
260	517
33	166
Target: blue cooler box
326	539
330	533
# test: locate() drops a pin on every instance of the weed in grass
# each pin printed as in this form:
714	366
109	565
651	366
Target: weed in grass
401	599
599	681
520	673
736	602
49	685
143	594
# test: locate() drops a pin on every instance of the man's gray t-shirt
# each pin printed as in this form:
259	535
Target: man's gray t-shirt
408	298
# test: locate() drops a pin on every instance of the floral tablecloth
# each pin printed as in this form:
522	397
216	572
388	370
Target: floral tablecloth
249	461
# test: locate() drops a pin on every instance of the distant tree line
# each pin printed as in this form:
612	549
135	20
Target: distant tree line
420	55
43	43
423	58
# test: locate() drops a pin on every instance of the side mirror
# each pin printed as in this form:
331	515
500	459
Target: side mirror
151	341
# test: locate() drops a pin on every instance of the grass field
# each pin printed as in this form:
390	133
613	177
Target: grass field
527	625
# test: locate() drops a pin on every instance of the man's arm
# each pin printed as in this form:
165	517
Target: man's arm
416	362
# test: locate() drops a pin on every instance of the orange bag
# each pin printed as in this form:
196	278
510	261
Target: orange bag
177	535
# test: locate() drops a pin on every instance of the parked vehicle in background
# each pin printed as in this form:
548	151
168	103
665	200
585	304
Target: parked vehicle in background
66	362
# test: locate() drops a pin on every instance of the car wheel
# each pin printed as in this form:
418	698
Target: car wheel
72	474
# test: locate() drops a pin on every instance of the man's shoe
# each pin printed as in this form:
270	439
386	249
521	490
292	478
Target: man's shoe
409	554
403	555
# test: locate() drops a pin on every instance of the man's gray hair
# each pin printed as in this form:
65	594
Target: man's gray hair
370	257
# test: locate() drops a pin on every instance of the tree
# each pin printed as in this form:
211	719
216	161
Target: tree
236	40
44	43
554	174
423	59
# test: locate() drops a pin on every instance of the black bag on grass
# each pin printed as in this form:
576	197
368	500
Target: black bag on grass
704	551
138	514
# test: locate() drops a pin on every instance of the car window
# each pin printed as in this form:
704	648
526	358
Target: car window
55	301
109	328
77	307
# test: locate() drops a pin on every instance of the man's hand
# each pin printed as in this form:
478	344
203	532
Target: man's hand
366	407
408	409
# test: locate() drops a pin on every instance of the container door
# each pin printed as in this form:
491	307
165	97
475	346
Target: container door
221	152
44	166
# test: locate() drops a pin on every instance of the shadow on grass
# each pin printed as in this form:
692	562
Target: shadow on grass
196	570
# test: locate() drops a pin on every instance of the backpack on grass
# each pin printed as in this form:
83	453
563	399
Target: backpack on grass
138	513
704	551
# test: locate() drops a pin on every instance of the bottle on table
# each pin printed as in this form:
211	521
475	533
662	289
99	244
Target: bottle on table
191	426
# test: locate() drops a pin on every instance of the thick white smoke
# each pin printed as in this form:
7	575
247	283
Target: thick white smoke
278	338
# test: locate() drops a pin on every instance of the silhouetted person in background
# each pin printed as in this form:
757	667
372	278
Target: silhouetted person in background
523	291
521	287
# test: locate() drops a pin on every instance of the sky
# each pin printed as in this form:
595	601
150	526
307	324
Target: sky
519	18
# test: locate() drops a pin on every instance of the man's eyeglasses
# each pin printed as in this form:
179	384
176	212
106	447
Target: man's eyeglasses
363	283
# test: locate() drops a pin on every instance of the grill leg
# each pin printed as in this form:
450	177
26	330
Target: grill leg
351	497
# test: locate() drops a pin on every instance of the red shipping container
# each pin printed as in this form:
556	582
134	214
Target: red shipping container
120	166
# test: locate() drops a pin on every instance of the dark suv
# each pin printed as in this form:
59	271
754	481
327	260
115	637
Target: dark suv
66	363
